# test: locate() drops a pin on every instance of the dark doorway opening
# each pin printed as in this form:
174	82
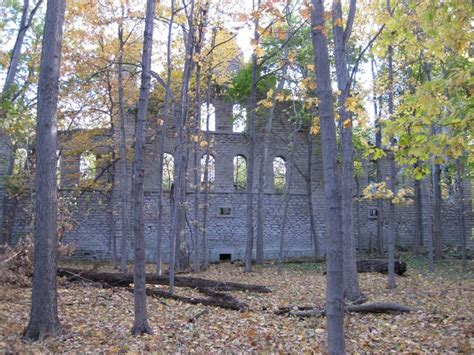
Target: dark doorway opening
225	257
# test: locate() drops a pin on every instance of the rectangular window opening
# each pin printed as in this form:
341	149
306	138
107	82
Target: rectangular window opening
225	257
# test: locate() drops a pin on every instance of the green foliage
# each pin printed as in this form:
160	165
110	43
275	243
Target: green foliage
241	85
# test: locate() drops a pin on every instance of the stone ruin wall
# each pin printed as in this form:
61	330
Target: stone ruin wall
97	217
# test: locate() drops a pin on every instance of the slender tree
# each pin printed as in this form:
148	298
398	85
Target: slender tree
123	174
161	149
341	37
181	154
44	319
251	152
332	184
25	23
140	325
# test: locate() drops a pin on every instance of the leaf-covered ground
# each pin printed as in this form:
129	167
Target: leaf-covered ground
99	319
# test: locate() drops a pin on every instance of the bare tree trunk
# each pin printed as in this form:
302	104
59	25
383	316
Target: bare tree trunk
429	224
332	184
462	211
309	189
123	174
161	149
206	174
378	144
251	158
437	211
140	325
197	121
112	240
286	198
391	181
25	23
178	232
417	235
351	280
263	161
44	319
436	180
9	205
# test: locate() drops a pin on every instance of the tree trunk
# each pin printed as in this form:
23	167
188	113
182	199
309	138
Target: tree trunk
9	204
206	176
429	223
44	319
118	279
123	174
178	232
391	181
251	157
351	281
378	144
462	211
417	234
309	191
263	161
161	149
197	121
437	212
25	23
436	186
332	184
286	199
140	325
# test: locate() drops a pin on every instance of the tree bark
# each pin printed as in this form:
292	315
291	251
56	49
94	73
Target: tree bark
206	175
437	212
123	174
417	234
197	121
429	223
44	319
391	181
118	279
462	211
161	149
263	161
251	157
436	188
286	199
178	216
377	307
378	144
332	184
309	191
352	291
140	325
25	23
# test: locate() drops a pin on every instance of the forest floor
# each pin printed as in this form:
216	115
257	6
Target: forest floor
99	319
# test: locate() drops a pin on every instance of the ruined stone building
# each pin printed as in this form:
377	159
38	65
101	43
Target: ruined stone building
96	218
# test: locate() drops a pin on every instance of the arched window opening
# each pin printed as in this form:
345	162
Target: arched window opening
87	166
240	172
208	117
19	161
211	170
168	171
279	174
239	118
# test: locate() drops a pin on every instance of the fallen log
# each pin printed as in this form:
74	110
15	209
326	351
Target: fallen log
124	280
378	265
234	305
377	307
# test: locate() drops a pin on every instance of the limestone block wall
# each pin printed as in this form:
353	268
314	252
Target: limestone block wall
97	217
